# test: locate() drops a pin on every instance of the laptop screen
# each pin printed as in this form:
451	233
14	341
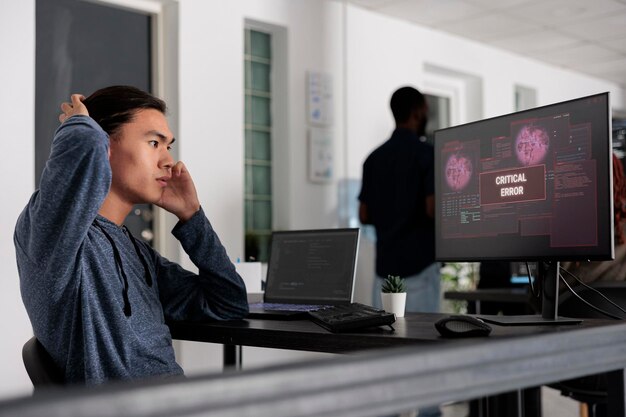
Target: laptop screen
312	266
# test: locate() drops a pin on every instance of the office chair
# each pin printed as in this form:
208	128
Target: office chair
592	389
40	366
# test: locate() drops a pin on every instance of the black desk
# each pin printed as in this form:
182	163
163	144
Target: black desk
423	370
413	329
511	358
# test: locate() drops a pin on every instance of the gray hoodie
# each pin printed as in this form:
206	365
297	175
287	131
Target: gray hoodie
96	297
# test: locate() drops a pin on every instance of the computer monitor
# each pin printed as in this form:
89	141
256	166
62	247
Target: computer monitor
534	185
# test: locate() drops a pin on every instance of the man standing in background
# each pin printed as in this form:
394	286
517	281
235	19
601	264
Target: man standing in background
397	197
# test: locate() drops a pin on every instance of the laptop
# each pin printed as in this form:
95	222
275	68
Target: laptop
308	270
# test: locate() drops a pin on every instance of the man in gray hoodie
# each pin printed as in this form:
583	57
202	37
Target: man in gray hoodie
97	297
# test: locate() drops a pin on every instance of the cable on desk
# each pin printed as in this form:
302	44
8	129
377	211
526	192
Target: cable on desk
598	309
530	281
581	282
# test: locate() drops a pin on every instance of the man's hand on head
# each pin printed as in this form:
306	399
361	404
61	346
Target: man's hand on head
72	109
179	197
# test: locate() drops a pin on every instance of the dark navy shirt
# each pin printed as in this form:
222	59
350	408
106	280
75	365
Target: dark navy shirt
397	178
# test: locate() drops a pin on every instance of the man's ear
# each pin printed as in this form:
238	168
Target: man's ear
110	147
417	115
112	141
423	113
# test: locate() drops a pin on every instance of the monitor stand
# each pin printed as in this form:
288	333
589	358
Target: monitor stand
548	278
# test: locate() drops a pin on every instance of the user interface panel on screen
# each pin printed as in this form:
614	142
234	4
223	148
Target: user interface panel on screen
529	185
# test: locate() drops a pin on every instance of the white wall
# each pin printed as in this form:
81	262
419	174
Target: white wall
211	106
17	170
396	53
382	54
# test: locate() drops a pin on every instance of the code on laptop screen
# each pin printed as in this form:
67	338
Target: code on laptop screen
312	265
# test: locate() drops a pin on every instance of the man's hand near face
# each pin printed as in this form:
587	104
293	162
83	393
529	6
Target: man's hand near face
179	196
73	108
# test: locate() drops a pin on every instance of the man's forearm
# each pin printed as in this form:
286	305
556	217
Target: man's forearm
363	214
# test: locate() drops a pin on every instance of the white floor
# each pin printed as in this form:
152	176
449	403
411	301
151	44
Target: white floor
553	404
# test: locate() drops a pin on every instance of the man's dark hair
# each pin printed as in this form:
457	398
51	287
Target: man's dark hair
113	106
403	101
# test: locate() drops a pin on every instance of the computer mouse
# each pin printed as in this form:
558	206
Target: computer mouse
462	326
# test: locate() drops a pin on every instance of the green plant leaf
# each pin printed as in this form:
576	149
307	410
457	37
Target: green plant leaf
393	284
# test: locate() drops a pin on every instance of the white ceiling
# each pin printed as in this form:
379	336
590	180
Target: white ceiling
587	36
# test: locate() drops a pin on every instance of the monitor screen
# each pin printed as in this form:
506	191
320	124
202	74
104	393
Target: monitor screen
531	185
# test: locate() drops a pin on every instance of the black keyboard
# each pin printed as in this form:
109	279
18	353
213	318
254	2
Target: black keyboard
351	317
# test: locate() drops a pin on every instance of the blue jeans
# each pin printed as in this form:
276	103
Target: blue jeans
422	290
423	294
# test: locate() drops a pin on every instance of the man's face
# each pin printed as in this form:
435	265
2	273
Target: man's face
140	158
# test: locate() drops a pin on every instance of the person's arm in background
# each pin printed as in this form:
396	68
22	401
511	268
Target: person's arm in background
430	206
363	214
429	183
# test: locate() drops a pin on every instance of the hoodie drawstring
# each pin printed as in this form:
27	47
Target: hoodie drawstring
147	274
118	262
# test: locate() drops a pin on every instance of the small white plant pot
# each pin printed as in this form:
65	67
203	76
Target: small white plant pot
394	303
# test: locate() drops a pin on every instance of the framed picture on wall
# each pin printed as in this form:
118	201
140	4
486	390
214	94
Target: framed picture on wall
321	155
319	94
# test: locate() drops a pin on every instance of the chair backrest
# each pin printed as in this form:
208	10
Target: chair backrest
570	306
40	366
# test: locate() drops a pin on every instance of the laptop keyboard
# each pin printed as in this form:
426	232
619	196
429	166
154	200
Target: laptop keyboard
288	307
349	317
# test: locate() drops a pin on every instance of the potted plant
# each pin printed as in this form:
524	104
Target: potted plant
394	295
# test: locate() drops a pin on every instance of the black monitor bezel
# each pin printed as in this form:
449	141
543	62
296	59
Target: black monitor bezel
604	250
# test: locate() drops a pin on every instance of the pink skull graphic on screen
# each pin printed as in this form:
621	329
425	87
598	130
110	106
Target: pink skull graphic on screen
458	171
531	145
